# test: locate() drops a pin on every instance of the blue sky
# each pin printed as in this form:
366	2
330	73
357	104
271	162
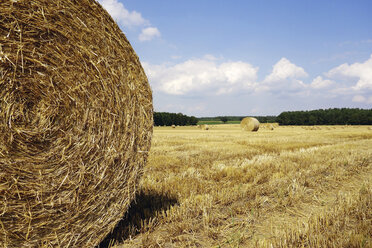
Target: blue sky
209	58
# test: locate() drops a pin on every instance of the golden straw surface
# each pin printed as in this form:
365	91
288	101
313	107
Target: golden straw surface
250	124
75	123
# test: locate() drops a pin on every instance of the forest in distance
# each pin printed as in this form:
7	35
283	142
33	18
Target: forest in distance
334	116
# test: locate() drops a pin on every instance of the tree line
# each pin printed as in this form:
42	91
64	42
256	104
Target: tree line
335	116
169	119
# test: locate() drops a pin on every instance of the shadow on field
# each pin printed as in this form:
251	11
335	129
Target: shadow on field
143	209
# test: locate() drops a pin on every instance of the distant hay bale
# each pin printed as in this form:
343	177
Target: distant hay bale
264	125
75	123
173	126
275	124
204	127
250	124
268	126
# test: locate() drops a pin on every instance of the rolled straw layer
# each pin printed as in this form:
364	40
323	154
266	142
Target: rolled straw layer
250	124
75	123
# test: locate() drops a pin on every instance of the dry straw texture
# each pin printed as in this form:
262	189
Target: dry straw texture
75	123
250	124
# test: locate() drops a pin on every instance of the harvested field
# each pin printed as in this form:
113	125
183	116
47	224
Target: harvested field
290	187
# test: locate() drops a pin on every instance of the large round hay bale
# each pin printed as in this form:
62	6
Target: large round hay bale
75	123
250	124
204	127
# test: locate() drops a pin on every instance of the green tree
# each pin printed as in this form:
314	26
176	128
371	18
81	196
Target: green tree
224	119
333	116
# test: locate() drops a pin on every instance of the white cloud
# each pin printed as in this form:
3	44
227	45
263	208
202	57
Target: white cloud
360	72
320	83
362	99
283	70
209	75
285	76
148	34
359	98
130	19
202	76
123	16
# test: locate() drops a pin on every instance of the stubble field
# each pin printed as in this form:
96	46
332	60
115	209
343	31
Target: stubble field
288	187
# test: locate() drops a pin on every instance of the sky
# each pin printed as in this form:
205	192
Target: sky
251	57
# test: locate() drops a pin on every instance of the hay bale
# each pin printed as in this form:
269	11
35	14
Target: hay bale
268	126
275	124
75	123
250	124
173	126
204	127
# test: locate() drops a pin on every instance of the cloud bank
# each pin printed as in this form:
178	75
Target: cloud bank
211	76
360	71
202	76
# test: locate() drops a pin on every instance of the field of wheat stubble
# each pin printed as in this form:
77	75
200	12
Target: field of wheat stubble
288	187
